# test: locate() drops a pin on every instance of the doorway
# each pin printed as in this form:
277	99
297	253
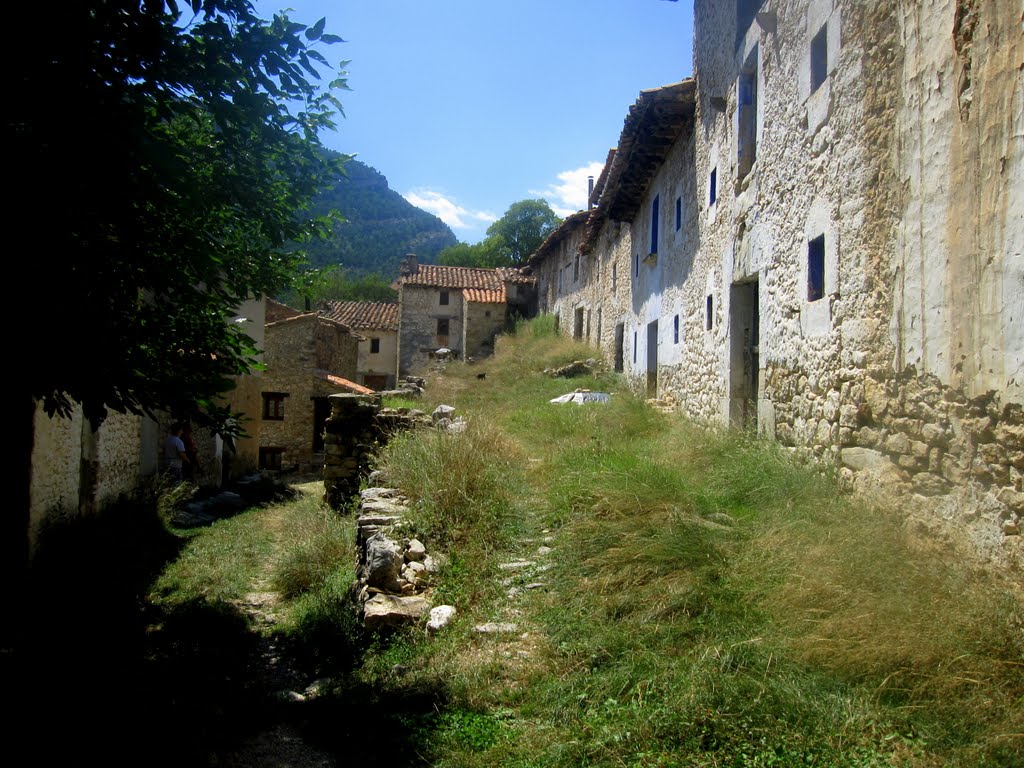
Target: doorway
652	359
620	332
744	354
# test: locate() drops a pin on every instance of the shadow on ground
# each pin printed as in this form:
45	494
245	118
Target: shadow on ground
100	677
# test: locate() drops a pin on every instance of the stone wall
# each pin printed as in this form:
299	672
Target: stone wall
484	321
421	309
295	350
838	290
78	470
382	363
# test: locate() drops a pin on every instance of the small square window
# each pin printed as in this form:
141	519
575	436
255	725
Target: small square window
273	406
374	346
816	268
819	58
270	458
444	298
713	187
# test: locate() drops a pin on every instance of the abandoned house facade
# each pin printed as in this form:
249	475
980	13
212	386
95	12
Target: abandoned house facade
377	322
820	236
308	357
80	468
459	309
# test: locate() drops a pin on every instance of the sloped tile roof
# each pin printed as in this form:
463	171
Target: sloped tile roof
482	296
278	311
562	232
317	317
441	276
655	122
515	275
368	315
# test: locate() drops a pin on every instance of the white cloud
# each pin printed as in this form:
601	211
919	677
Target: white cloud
450	212
569	194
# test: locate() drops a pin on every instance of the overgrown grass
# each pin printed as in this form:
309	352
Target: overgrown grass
714	600
720	601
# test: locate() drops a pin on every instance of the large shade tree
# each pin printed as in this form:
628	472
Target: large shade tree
161	155
510	240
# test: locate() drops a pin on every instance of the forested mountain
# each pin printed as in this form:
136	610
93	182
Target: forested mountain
380	226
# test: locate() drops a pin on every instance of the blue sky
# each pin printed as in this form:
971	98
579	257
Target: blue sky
468	106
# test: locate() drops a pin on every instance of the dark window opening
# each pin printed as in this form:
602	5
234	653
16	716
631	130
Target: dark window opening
273	406
679	213
819	58
816	268
713	187
576	268
709	313
634	347
636	265
747	98
444	298
675	329
270	458
374	346
321	412
655	206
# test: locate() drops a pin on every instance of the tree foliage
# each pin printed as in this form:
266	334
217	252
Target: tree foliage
524	227
510	240
183	140
314	285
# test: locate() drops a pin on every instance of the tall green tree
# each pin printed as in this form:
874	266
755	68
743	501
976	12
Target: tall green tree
161	153
489	252
524	227
510	240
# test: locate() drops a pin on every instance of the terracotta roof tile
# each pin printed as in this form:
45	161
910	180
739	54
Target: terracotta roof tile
441	276
351	386
363	314
655	122
483	296
319	317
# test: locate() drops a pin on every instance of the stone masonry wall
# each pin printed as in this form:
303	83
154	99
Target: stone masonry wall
384	362
862	305
294	351
483	323
421	309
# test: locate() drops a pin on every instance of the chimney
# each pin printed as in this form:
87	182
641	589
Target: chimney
590	192
409	265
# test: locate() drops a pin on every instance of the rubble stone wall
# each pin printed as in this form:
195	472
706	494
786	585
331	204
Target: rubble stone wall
421	309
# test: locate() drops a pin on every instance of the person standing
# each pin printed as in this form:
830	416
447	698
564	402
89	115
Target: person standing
174	453
190	467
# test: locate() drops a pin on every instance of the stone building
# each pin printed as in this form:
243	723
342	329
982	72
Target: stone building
77	468
460	309
308	357
820	236
377	321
